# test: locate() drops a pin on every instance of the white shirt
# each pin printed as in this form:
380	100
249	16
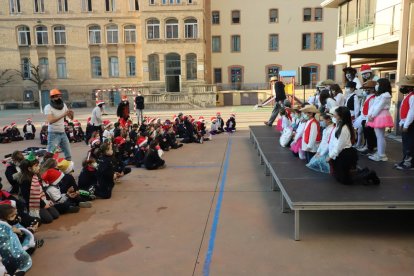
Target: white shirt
313	144
96	118
336	145
381	102
285	122
340	99
58	126
410	116
330	103
299	131
324	145
358	83
107	134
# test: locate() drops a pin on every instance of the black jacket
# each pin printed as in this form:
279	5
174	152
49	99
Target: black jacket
139	102
280	91
152	160
87	179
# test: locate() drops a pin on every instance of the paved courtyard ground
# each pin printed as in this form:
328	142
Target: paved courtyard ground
211	212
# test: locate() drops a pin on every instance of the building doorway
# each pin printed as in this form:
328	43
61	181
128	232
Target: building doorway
236	78
173	72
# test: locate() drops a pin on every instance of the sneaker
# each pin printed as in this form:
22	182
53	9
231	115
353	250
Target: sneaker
362	149
85	204
201	140
398	164
377	157
404	167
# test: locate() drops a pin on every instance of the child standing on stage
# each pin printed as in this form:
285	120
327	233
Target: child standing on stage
379	117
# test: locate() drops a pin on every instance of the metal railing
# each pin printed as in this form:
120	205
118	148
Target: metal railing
243	86
384	22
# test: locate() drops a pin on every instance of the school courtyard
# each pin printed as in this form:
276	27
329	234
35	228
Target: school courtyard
211	212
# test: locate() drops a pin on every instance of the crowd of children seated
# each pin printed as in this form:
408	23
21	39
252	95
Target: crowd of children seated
331	131
43	186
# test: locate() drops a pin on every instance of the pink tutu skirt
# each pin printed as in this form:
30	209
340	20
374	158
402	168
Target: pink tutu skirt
295	147
279	125
382	120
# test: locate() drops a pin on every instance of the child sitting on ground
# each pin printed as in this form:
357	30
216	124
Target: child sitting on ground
15	133
106	172
78	131
231	123
108	133
152	159
29	130
43	135
88	177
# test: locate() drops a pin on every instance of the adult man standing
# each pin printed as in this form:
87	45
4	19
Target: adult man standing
278	95
56	112
96	118
139	105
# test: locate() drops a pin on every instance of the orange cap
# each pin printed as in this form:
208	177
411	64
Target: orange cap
55	92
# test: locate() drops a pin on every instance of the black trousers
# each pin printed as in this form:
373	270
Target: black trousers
370	138
344	164
408	142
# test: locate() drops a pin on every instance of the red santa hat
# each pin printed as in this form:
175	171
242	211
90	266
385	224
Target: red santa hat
152	120
5	128
213	119
167	122
365	68
124	97
99	102
13	124
142	141
119	140
29	120
201	119
233	115
52	176
218	114
95	142
88	120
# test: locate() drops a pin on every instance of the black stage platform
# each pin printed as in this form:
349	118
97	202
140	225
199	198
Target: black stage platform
304	189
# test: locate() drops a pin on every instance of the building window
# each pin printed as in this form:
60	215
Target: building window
191	64
62	5
153	29
112	34
190	2
23	34
61	68
236	77
60	35
110	5
94	34
171	29
131	66
218	75
274	42
96	67
318	14
39	6
215	17
307	14
86	5
216	44
306	41
130	34
14	6
41	35
318	41
191	28
26	74
113	67
331	72
154	67
274	16
235	43
133	5
44	66
314	74
235	17
152	2
272	71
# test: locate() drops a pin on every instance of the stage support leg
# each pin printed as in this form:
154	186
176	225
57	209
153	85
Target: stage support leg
297	226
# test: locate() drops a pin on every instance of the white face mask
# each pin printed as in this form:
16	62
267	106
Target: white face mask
347	90
334	120
376	87
349	77
305	116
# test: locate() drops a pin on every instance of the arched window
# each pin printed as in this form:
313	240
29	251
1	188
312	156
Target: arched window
112	34
314	73
272	70
61	68
171	29
131	66
94	34
96	67
23	35
60	35
191	28
113	67
153	29
130	34
191	64
154	67
41	35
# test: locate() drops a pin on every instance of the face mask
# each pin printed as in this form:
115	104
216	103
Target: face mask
305	116
404	90
376	87
334	120
349	77
322	124
95	165
347	90
366	76
364	93
15	221
58	101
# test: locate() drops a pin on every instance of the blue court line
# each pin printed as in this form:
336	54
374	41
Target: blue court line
194	167
207	262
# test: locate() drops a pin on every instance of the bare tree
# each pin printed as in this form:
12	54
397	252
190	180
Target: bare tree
36	74
6	76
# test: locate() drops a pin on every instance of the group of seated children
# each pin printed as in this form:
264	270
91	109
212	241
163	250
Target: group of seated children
11	133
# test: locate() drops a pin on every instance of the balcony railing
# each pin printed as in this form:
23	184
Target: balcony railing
382	23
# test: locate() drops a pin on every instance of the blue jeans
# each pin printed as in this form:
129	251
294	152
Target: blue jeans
55	139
